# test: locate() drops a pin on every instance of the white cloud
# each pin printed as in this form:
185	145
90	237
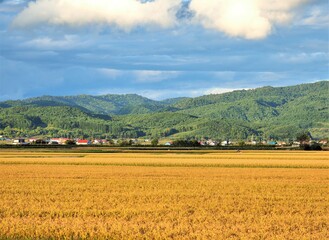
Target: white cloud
154	94
157	94
220	90
69	41
140	76
251	19
316	17
269	77
170	93
16	2
10	6
301	57
111	73
125	14
148	76
227	75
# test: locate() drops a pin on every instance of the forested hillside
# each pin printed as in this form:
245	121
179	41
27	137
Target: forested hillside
264	113
105	104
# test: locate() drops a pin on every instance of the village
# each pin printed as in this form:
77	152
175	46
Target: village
154	142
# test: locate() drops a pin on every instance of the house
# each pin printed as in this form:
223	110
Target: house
211	143
202	143
295	144
98	141
105	141
225	143
61	141
20	141
2	138
32	140
64	140
55	141
281	143
323	141
40	142
83	142
37	141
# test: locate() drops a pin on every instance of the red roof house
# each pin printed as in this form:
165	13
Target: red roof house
83	142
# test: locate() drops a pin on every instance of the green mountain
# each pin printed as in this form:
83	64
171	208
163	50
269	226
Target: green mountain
105	104
267	112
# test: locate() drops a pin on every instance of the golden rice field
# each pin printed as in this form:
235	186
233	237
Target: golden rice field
164	195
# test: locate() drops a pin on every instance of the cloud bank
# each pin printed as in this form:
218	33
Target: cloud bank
250	19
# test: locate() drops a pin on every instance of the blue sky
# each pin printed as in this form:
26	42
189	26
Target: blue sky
160	49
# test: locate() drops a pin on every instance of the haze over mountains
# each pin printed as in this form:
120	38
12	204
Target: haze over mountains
264	113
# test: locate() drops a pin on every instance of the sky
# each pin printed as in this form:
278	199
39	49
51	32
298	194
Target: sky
159	49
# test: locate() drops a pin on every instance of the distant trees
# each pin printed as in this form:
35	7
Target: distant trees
303	137
125	143
186	143
70	142
312	147
304	140
155	142
241	143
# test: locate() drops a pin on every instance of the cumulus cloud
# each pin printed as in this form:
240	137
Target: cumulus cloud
251	19
125	14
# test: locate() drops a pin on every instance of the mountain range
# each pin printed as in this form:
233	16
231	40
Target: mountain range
263	113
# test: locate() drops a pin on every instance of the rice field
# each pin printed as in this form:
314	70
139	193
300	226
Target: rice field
164	195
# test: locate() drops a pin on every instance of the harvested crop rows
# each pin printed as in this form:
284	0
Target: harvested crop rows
208	195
